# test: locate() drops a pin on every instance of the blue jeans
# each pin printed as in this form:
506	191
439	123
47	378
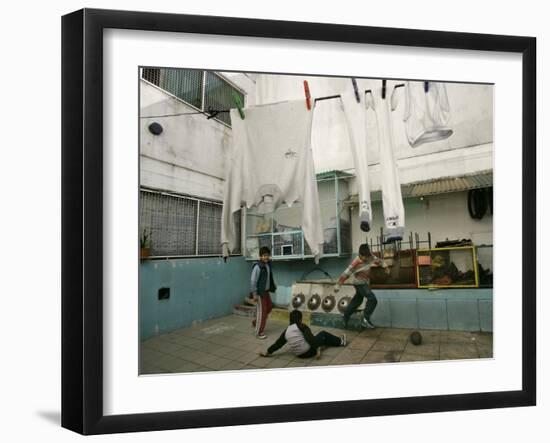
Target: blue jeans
361	291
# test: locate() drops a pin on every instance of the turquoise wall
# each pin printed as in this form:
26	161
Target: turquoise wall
200	288
447	309
204	288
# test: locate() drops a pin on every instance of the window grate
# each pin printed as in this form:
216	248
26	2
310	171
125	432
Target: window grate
219	95
186	84
152	75
172	224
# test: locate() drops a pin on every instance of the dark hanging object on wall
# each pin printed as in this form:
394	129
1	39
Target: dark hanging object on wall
155	128
490	199
365	227
478	203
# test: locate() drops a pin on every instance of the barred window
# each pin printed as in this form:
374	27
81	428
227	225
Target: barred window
219	95
182	226
205	90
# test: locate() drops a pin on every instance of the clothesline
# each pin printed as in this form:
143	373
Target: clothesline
210	113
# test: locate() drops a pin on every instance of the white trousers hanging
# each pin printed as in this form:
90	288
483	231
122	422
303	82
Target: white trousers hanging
392	201
355	114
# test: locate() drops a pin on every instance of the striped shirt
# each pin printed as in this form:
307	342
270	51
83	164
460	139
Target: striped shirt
358	272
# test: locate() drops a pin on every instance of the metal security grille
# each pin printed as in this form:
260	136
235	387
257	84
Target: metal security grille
210	218
152	75
171	222
182	226
219	95
185	84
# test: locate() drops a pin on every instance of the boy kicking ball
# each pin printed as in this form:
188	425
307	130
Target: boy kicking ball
358	273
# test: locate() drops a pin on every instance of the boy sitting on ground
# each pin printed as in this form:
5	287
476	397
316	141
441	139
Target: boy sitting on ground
301	341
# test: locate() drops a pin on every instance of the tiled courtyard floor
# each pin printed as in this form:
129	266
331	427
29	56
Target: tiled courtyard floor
228	343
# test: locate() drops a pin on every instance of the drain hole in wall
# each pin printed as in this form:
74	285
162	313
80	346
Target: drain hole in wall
164	293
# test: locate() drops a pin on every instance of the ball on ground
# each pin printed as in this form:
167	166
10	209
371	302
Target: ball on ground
416	338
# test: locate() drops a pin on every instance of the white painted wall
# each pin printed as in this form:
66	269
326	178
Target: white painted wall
189	156
444	216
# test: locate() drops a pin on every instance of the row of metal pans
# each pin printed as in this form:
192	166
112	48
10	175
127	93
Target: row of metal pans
327	304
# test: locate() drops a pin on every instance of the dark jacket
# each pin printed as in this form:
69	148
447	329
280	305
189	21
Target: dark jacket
262	279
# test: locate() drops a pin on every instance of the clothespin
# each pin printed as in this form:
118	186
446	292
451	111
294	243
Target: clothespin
383	89
239	104
356	90
308	95
426	86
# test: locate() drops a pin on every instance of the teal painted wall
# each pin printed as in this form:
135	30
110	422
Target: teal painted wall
204	288
200	288
446	309
453	309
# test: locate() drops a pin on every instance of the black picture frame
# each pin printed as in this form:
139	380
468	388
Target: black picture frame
82	217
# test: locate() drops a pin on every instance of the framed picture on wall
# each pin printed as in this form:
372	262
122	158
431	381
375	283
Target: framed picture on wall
252	199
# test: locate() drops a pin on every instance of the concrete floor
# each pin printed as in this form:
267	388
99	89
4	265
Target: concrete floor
228	343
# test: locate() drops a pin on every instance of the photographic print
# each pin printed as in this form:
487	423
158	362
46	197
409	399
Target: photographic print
262	203
289	221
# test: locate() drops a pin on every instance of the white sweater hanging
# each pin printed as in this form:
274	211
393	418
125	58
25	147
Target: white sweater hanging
271	164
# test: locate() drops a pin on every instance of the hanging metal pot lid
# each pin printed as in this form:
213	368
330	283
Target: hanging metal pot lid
343	304
314	302
329	302
298	300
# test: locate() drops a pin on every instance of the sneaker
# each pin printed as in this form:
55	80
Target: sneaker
262	336
344	340
367	324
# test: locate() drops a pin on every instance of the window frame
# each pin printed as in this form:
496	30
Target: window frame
203	84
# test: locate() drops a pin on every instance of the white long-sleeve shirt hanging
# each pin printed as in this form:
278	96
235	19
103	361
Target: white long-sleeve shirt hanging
427	113
392	201
271	164
356	121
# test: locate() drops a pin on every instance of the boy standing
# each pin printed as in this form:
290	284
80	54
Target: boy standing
359	274
301	341
261	284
